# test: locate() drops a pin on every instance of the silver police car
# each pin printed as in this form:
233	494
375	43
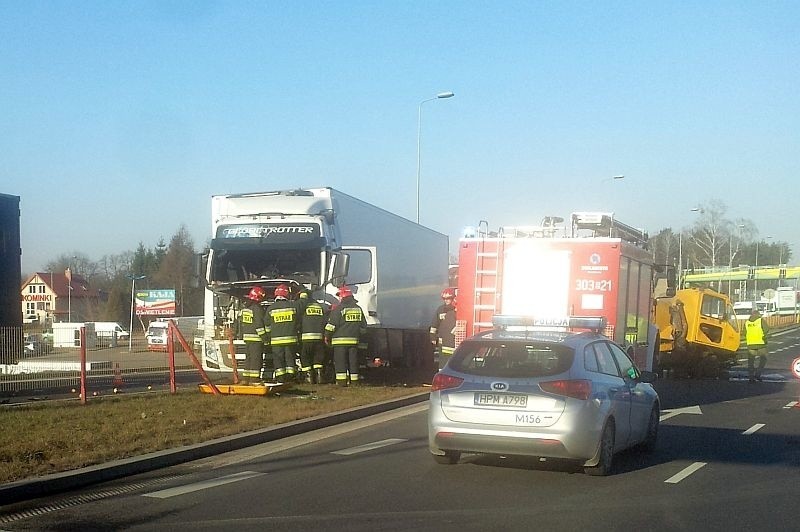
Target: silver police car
555	393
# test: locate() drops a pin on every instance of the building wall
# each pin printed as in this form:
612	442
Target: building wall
38	300
10	254
47	298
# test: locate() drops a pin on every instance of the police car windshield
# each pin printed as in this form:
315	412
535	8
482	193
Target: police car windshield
512	360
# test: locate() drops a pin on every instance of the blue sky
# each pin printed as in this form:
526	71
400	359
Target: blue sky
121	119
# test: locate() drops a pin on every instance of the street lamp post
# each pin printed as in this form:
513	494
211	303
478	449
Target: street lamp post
755	276
419	136
133	279
680	259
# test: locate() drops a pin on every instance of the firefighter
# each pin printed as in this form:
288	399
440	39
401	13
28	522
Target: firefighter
346	325
282	325
312	329
756	330
443	326
251	327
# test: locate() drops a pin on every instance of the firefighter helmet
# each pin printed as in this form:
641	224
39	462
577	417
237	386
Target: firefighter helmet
256	294
449	293
344	291
282	291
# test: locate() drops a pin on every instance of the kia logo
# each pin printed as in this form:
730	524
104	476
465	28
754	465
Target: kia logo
499	386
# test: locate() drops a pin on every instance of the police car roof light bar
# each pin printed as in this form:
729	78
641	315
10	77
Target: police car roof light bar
506	321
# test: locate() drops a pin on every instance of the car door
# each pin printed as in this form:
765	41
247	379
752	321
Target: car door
640	399
617	390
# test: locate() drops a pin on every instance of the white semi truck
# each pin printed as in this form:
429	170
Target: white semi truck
319	239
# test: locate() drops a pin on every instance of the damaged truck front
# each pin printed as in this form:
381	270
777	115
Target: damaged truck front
319	239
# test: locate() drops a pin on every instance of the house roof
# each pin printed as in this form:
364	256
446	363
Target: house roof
60	284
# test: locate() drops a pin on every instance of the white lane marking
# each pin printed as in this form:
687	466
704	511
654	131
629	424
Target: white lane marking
369	446
674	479
197	486
754	428
668	413
265	449
791	404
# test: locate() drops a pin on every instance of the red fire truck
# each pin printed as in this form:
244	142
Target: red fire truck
596	267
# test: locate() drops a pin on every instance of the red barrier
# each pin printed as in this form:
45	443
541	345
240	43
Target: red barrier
171	352
186	347
232	351
83	365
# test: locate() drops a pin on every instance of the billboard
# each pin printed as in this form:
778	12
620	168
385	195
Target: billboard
155	302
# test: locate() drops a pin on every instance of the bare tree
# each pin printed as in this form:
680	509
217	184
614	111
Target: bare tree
711	233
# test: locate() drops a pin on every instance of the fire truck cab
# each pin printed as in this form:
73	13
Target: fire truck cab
597	266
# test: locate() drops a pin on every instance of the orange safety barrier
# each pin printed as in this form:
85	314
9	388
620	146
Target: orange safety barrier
173	329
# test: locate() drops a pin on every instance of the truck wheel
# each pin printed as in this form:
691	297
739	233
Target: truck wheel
709	367
606	453
449	457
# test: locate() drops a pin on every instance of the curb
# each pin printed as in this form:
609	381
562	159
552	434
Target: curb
23	490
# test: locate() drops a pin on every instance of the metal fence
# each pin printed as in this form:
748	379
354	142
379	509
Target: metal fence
33	366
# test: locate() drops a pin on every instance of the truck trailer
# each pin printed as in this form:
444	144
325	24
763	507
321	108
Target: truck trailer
597	267
319	239
785	299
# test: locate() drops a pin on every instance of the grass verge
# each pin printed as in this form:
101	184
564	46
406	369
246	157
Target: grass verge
39	439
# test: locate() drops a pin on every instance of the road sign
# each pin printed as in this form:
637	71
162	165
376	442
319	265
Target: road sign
796	367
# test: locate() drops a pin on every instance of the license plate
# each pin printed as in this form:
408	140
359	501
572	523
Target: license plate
501	399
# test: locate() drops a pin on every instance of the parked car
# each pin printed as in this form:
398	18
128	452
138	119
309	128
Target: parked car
557	393
35	345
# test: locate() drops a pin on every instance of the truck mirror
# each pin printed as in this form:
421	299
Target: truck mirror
198	269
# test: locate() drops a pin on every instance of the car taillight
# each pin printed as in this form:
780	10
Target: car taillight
444	382
579	388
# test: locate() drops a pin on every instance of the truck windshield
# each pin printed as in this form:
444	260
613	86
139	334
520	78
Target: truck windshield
244	265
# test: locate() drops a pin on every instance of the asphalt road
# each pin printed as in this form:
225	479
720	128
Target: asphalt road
728	459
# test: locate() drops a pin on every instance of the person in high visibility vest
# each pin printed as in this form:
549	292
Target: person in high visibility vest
282	324
251	328
756	330
312	330
346	326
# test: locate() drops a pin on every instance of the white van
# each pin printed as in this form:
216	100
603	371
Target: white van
107	329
